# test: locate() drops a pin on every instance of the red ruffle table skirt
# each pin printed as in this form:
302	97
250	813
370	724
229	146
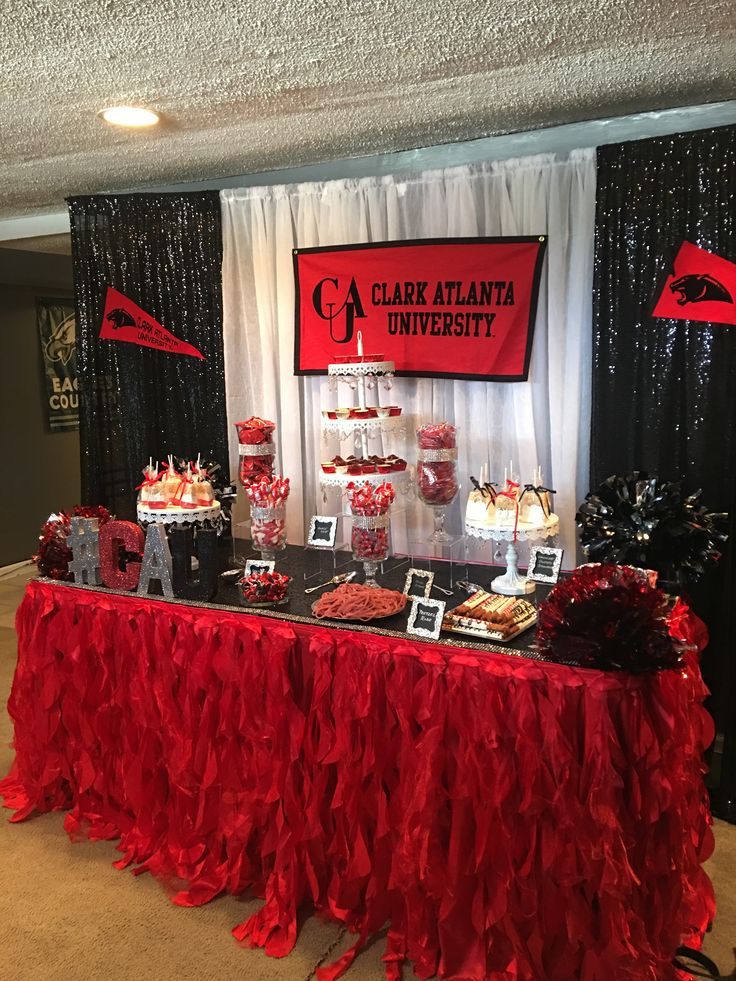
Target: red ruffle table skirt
507	819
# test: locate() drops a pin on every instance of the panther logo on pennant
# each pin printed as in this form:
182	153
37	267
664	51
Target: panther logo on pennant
700	287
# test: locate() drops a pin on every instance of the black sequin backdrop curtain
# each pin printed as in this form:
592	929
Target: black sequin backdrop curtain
664	391
164	252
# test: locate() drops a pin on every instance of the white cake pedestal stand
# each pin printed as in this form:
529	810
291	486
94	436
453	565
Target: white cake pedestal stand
511	583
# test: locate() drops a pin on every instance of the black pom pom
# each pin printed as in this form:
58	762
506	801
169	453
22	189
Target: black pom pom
634	519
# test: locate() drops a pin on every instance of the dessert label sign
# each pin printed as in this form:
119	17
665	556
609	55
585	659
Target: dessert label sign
440	308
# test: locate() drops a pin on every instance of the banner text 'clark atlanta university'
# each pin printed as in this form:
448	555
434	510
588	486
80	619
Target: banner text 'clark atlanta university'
443	308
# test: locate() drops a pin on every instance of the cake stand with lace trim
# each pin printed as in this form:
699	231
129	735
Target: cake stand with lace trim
209	516
511	583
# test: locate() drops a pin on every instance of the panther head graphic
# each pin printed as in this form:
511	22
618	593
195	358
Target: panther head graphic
120	318
62	342
696	287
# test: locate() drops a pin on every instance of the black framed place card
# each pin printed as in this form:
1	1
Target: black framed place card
258	566
425	618
322	531
418	583
544	564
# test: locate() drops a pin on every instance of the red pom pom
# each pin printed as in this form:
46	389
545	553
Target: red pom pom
54	555
608	617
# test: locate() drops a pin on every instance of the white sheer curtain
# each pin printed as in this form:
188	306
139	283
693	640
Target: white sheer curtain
544	420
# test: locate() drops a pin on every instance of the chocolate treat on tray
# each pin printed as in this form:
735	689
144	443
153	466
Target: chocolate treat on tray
488	615
359	465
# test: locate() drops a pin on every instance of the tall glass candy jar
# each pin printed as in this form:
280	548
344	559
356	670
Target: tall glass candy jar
437	484
369	540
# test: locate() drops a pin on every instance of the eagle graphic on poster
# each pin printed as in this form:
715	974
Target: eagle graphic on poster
62	342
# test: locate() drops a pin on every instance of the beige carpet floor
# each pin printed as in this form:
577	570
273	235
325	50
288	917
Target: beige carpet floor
66	913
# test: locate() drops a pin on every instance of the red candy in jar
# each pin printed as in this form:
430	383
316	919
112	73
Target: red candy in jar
437	482
437	463
370	544
437	436
253	469
255	430
268	533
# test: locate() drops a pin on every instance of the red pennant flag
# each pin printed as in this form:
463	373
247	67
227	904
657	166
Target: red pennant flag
123	320
702	287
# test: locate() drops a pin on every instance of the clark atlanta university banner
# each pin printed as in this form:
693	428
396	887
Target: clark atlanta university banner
439	308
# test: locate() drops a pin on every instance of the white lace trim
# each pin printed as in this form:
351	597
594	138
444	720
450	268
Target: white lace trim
344	428
524	532
361	369
181	518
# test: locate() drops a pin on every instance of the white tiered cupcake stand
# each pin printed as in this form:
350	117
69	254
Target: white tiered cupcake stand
360	376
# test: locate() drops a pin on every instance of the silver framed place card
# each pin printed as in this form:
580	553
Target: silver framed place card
418	583
544	564
425	617
258	566
322	531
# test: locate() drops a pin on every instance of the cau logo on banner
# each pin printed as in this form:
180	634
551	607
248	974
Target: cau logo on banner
326	299
458	308
700	286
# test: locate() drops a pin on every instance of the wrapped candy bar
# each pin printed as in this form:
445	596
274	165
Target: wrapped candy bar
170	481
186	496
204	493
507	506
151	490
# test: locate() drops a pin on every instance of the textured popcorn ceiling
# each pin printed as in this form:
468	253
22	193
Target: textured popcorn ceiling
252	86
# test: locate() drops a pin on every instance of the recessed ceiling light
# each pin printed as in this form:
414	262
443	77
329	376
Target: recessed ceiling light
129	116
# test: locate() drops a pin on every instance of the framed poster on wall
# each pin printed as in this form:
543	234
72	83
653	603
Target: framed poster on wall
57	330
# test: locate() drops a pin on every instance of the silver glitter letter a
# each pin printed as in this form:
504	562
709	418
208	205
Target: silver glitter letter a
156	561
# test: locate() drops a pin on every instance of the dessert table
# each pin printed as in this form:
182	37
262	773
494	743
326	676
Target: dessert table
505	817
